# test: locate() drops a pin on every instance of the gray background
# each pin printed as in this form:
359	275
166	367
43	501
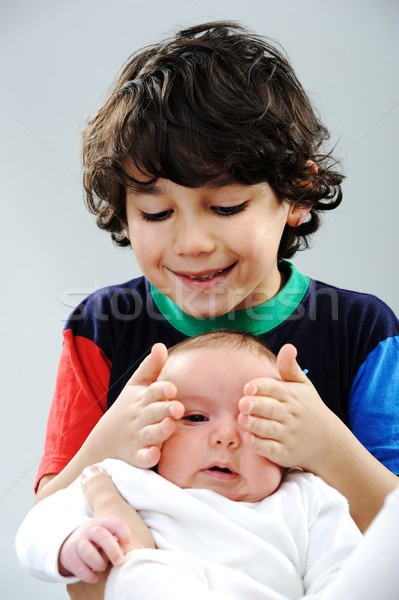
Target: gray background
57	60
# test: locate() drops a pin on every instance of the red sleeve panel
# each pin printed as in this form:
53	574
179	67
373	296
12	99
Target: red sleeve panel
79	402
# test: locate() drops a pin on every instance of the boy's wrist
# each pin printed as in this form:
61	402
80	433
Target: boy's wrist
334	444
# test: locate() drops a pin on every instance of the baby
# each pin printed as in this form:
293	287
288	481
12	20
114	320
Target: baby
225	522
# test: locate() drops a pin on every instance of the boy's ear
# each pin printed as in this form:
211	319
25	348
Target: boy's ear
297	214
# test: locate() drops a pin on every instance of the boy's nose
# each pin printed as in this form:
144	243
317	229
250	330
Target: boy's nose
192	239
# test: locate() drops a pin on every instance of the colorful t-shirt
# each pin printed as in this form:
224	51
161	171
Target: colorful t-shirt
348	341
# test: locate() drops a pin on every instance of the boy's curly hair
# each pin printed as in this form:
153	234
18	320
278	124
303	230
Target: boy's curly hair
215	100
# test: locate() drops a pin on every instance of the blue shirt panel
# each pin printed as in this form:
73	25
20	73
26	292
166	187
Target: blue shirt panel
374	399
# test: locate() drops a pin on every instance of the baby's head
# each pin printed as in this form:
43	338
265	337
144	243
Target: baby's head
215	102
208	449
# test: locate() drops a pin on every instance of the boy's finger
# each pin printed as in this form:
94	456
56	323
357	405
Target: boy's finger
150	368
262	428
268	448
156	433
265	407
264	387
97	485
146	458
157	411
287	365
158	391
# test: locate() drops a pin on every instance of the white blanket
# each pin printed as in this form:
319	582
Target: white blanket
290	545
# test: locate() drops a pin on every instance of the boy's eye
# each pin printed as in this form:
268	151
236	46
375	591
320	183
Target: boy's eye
195	418
228	211
160	216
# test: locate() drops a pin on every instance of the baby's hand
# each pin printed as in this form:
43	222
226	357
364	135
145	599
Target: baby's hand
90	548
143	416
286	420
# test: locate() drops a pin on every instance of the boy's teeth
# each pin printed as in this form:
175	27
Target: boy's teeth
206	277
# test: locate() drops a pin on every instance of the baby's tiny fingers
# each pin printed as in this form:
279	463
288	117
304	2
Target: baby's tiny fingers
89	554
86	574
109	547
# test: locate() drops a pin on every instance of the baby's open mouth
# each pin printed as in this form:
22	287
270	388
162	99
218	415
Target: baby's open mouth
221	469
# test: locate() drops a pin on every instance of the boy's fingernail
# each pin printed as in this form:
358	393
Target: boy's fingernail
165	426
166	390
91	471
251	389
172	408
249	422
251	405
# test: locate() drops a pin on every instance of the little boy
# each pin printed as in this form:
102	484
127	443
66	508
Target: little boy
226	521
207	159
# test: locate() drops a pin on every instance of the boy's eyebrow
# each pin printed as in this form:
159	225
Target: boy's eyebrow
223	181
156	189
145	190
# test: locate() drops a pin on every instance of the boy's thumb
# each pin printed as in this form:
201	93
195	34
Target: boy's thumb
287	365
150	368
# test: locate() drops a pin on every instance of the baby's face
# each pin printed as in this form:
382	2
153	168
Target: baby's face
208	450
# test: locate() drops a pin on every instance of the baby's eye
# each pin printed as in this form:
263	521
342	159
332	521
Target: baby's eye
228	211
160	216
195	418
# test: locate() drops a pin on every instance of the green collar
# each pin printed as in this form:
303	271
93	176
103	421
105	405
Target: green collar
256	320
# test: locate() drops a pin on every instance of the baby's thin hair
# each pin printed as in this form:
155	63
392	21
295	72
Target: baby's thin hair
224	337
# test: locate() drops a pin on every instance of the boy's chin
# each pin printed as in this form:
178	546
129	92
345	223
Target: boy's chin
204	310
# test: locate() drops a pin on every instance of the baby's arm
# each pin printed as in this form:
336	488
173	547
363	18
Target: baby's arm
89	549
133	429
288	423
105	500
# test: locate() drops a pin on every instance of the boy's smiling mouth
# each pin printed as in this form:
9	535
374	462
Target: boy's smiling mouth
205	276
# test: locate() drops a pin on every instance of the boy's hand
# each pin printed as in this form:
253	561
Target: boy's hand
143	416
286	420
92	546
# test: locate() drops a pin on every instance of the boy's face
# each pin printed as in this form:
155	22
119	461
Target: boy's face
210	249
207	449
